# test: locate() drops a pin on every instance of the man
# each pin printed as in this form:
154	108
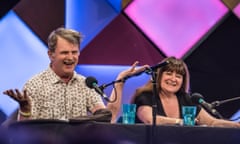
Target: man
59	92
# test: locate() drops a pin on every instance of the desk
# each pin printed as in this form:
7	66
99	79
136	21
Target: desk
59	132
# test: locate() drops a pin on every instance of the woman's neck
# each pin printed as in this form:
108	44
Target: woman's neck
166	95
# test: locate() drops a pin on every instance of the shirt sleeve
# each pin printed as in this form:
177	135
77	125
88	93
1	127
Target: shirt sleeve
93	99
143	99
32	92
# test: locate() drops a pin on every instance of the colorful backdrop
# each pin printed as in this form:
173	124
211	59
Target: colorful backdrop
118	32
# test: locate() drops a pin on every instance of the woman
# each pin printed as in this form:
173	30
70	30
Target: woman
173	86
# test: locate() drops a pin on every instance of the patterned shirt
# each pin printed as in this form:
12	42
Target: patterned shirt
54	99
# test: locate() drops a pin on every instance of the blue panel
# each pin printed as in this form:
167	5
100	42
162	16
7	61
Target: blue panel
236	116
116	4
89	17
23	55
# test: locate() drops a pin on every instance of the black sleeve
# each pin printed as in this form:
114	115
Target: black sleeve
144	99
188	101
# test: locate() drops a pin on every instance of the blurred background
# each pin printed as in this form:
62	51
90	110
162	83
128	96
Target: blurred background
204	33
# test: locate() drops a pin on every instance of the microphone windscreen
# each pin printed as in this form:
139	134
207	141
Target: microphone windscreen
196	97
90	81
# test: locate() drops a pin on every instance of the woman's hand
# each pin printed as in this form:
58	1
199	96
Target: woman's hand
131	71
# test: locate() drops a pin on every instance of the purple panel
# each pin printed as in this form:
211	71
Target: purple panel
120	43
237	10
42	16
173	25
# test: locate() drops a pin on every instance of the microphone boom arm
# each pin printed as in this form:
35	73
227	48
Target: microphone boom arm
103	86
218	103
148	71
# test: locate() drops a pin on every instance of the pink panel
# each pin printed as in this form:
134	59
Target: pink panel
237	10
173	25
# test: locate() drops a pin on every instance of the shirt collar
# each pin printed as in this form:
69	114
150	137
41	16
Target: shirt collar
54	78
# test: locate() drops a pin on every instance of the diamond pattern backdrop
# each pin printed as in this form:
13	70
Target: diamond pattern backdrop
204	33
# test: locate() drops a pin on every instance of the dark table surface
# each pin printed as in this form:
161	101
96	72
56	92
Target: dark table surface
75	132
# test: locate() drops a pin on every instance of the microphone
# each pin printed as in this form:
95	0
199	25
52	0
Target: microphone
155	67
91	82
198	99
147	70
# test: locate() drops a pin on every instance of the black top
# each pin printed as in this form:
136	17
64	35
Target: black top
146	98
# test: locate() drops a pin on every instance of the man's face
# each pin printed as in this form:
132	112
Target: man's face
65	58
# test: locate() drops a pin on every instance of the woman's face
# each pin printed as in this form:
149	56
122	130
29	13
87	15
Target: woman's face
171	82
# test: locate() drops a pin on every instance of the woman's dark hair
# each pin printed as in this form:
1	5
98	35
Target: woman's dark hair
174	65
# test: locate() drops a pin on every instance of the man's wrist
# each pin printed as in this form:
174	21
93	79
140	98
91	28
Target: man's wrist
25	114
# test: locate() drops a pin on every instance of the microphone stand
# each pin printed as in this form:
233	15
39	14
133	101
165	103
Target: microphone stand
218	103
102	87
154	98
216	113
153	72
150	71
154	104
